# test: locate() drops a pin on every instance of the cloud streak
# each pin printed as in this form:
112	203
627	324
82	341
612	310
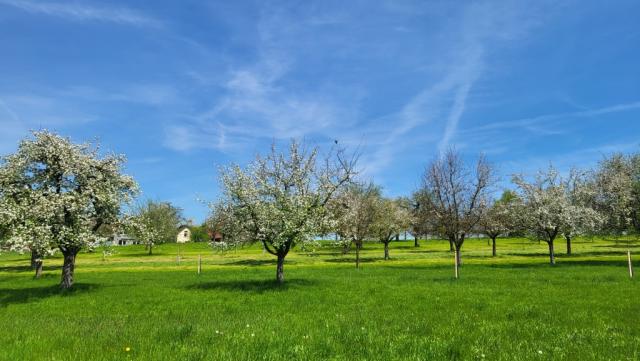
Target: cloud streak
83	12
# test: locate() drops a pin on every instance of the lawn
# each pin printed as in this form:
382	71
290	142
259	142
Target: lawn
511	307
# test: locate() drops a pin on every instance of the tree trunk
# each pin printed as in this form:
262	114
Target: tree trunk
397	236
150	248
451	248
493	247
386	251
552	255
34	257
357	255
36	263
568	245
415	241
68	266
280	268
38	267
458	257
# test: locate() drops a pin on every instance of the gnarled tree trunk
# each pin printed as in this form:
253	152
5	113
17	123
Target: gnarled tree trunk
36	263
568	245
415	241
451	246
150	248
38	267
280	268
552	256
493	247
386	251
34	257
68	267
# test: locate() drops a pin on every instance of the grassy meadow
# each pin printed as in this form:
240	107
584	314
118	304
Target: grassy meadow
515	306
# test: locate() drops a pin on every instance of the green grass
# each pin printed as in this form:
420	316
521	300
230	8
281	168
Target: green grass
511	307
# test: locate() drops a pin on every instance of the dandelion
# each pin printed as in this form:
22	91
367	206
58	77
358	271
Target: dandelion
540	352
127	349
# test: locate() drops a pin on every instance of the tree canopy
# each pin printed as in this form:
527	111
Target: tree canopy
58	194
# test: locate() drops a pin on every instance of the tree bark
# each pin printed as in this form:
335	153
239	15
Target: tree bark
451	247
357	255
493	247
280	268
415	241
38	267
150	249
397	236
458	257
36	263
568	245
386	251
552	256
34	257
68	266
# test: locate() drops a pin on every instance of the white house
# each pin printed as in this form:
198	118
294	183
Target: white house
123	240
184	234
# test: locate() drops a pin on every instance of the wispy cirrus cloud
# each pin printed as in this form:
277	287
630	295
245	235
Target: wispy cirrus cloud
536	123
85	12
472	36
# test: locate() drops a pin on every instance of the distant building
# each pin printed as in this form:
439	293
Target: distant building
184	234
214	236
123	240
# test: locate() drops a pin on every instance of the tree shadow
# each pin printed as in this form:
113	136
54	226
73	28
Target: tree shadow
257	262
353	260
561	263
26	295
619	245
254	286
22	268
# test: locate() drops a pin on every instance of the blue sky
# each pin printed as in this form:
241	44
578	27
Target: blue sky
183	87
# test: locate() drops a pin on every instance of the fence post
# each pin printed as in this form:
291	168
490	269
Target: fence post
629	263
199	264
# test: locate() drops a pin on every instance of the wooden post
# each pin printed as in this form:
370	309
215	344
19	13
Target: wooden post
199	264
455	262
629	262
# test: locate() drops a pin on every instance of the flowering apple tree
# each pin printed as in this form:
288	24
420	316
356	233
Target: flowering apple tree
59	194
280	200
547	209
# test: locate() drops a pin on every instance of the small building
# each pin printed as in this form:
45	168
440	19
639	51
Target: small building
214	236
123	240
184	234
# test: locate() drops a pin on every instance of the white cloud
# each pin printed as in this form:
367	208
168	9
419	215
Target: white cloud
84	12
545	123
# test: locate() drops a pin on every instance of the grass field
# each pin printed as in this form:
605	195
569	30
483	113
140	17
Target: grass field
511	307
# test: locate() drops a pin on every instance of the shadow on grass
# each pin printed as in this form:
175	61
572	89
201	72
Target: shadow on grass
620	245
256	286
27	295
561	263
257	262
20	269
352	259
